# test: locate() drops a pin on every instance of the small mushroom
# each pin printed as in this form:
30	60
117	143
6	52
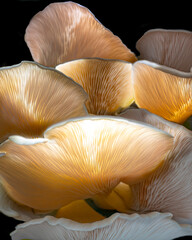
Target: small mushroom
172	48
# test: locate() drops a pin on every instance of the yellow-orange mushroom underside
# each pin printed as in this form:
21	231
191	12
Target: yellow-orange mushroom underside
79	211
107	82
33	97
163	91
80	159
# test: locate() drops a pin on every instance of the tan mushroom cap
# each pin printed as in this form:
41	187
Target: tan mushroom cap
163	91
68	31
107	82
79	159
172	48
33	97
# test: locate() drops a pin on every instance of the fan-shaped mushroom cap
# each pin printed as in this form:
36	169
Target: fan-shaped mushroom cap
68	31
33	97
163	91
172	48
79	159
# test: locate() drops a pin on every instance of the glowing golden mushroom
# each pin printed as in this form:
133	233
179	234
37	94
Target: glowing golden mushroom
67	31
107	82
163	91
76	210
33	97
80	159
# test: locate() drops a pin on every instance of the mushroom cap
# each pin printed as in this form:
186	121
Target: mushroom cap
149	226
162	90
81	158
33	97
107	82
172	48
68	31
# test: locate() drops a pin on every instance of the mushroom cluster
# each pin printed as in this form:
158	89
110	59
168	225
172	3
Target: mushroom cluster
95	142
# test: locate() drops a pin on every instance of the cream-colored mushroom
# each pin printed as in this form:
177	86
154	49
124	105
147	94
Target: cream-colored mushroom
119	226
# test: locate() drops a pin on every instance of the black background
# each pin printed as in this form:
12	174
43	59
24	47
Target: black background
126	19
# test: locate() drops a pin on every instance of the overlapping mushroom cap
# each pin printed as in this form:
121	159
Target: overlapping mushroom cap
33	97
80	159
72	32
84	169
68	31
113	85
169	188
162	82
